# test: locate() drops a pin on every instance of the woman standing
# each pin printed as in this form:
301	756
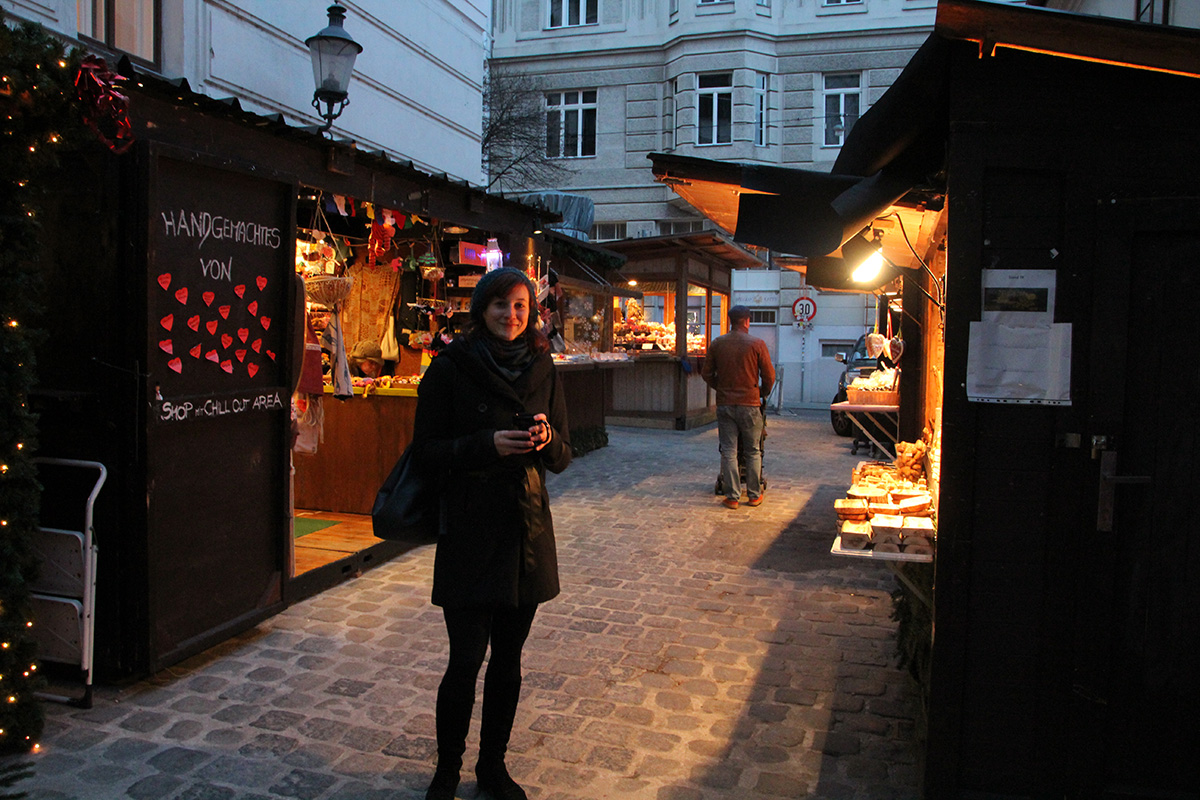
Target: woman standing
495	558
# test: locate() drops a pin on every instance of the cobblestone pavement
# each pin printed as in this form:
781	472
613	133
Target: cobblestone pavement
696	653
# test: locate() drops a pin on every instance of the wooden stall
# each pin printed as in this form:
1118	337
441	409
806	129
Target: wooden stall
174	336
1064	612
685	283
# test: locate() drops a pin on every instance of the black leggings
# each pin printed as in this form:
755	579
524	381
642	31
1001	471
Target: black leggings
470	630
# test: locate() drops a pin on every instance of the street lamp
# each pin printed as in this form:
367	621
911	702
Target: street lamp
333	52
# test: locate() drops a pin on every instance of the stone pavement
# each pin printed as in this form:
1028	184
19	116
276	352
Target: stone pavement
695	653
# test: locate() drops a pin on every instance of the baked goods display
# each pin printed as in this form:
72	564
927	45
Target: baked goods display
888	508
637	333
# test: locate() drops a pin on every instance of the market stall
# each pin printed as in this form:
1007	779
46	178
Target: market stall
685	286
1036	308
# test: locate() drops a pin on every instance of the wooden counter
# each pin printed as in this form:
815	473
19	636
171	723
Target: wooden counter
662	391
363	438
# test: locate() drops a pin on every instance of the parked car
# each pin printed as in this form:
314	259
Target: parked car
858	363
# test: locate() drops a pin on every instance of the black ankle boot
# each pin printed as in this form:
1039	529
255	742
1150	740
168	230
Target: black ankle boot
443	786
494	779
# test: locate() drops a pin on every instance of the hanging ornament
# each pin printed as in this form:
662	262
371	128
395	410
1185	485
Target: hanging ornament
105	110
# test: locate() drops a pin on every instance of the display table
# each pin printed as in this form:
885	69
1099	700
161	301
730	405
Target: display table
884	421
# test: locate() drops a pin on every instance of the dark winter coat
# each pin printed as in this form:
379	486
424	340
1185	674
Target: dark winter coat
496	537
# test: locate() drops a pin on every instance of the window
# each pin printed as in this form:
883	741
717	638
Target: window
843	2
608	231
571	124
829	349
568	13
762	316
760	108
841	106
668	123
715	114
130	26
673	227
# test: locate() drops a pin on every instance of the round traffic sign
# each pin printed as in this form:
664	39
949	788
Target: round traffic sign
804	309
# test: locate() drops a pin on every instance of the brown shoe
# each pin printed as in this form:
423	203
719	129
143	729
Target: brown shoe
754	502
729	502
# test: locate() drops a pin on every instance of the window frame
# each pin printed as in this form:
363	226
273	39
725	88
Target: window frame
587	11
842	93
764	316
85	14
717	100
762	109
585	112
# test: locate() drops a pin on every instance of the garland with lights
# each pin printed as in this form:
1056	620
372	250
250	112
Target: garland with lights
38	112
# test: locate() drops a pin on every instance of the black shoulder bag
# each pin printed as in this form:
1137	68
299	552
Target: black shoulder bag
406	506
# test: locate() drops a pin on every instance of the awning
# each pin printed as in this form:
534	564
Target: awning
896	145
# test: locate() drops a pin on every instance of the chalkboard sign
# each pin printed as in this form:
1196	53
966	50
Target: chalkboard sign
217	283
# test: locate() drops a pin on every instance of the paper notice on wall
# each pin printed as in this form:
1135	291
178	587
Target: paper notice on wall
1017	353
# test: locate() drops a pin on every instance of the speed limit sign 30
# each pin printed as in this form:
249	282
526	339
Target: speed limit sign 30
804	309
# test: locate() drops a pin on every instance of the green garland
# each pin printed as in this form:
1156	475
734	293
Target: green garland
36	92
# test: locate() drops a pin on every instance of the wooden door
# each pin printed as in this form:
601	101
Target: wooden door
1137	669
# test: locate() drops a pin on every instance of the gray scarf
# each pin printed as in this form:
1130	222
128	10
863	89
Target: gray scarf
506	359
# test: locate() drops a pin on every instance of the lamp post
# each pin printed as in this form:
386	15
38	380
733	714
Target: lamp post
333	52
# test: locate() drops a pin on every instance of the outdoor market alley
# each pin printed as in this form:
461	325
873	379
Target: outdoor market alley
695	653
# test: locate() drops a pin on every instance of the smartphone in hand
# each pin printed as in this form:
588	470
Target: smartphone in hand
523	422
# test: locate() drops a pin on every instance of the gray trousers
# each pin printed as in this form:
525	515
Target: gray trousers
742	424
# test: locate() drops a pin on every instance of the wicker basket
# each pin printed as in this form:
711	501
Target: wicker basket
873	397
327	289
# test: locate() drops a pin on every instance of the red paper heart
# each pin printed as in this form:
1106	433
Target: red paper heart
181	295
195	351
175	364
164	280
253	307
240	289
226	340
167	321
266	322
212	326
227	365
208	298
271	355
165	345
252	368
211	355
241	354
194	322
224	312
256	345
261	281
243	334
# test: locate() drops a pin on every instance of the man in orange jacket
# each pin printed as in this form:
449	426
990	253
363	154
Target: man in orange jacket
738	367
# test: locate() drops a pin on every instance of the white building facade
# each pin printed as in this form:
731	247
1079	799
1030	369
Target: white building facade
417	89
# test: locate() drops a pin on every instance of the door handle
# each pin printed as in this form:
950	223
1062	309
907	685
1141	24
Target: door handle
1108	489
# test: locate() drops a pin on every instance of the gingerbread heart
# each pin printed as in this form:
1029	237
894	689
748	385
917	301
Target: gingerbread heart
895	348
875	342
164	280
176	364
181	295
167	321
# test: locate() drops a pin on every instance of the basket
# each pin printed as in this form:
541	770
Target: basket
327	289
873	397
